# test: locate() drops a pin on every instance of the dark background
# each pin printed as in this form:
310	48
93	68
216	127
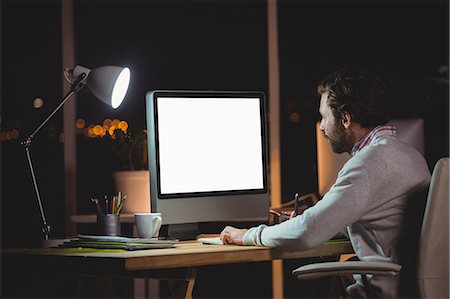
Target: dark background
219	45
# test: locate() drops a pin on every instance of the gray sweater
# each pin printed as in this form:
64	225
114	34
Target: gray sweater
369	199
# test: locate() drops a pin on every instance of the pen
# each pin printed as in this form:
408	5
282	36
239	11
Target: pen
106	205
119	208
119	198
99	210
296	205
113	204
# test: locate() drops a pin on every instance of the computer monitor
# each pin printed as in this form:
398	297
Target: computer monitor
329	163
208	156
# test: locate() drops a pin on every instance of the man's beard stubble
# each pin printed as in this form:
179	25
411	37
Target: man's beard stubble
340	140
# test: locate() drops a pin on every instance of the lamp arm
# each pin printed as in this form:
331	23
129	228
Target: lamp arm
76	86
45	227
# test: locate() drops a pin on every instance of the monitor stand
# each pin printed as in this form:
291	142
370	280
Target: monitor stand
185	231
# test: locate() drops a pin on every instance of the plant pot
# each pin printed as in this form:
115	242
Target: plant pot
136	185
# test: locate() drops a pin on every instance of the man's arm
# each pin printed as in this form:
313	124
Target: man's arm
341	206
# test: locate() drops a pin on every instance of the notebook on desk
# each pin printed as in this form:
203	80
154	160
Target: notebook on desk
113	245
113	242
155	240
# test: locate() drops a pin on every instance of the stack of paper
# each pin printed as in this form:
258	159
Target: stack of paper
112	242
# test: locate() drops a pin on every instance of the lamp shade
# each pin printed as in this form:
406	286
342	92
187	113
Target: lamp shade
108	83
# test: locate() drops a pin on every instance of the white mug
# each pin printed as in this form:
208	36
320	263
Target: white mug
148	224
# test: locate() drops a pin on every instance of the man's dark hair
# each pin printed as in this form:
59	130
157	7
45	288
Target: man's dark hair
359	92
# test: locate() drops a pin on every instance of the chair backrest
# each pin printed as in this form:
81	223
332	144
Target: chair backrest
433	254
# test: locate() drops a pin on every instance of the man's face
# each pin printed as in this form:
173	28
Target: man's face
332	129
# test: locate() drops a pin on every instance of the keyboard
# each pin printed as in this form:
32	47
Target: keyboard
213	241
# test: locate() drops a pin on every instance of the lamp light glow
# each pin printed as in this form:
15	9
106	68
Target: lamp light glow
120	88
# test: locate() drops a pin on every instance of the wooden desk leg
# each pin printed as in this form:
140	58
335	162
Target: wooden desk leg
277	279
190	277
182	286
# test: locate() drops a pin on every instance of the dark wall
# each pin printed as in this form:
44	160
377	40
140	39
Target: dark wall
30	68
405	42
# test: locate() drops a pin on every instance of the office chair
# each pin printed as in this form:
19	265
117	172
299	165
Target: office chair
433	255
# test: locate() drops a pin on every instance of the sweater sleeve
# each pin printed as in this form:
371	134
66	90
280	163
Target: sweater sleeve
253	236
343	205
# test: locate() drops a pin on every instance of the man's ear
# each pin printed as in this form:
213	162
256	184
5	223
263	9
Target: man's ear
346	119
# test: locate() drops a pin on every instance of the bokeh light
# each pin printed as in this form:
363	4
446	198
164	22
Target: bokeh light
294	117
107	122
80	123
111	131
116	122
38	103
123	125
100	130
97	130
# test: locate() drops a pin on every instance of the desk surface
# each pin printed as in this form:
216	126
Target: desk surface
185	254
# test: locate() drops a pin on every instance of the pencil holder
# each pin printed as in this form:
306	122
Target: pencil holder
108	225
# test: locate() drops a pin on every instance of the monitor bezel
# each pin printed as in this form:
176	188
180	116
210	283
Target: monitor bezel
159	200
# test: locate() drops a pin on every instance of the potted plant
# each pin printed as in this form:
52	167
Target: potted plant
133	179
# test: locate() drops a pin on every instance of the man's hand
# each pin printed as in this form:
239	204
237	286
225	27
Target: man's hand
292	214
232	235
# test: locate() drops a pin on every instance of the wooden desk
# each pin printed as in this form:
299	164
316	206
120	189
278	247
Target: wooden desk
237	257
156	263
185	254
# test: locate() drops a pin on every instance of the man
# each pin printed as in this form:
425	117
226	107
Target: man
373	191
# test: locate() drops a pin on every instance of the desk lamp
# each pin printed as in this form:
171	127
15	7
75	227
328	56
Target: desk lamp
108	83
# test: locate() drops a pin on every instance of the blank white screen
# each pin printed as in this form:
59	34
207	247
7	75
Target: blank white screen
209	144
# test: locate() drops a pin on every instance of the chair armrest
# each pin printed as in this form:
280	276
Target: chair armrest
318	270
